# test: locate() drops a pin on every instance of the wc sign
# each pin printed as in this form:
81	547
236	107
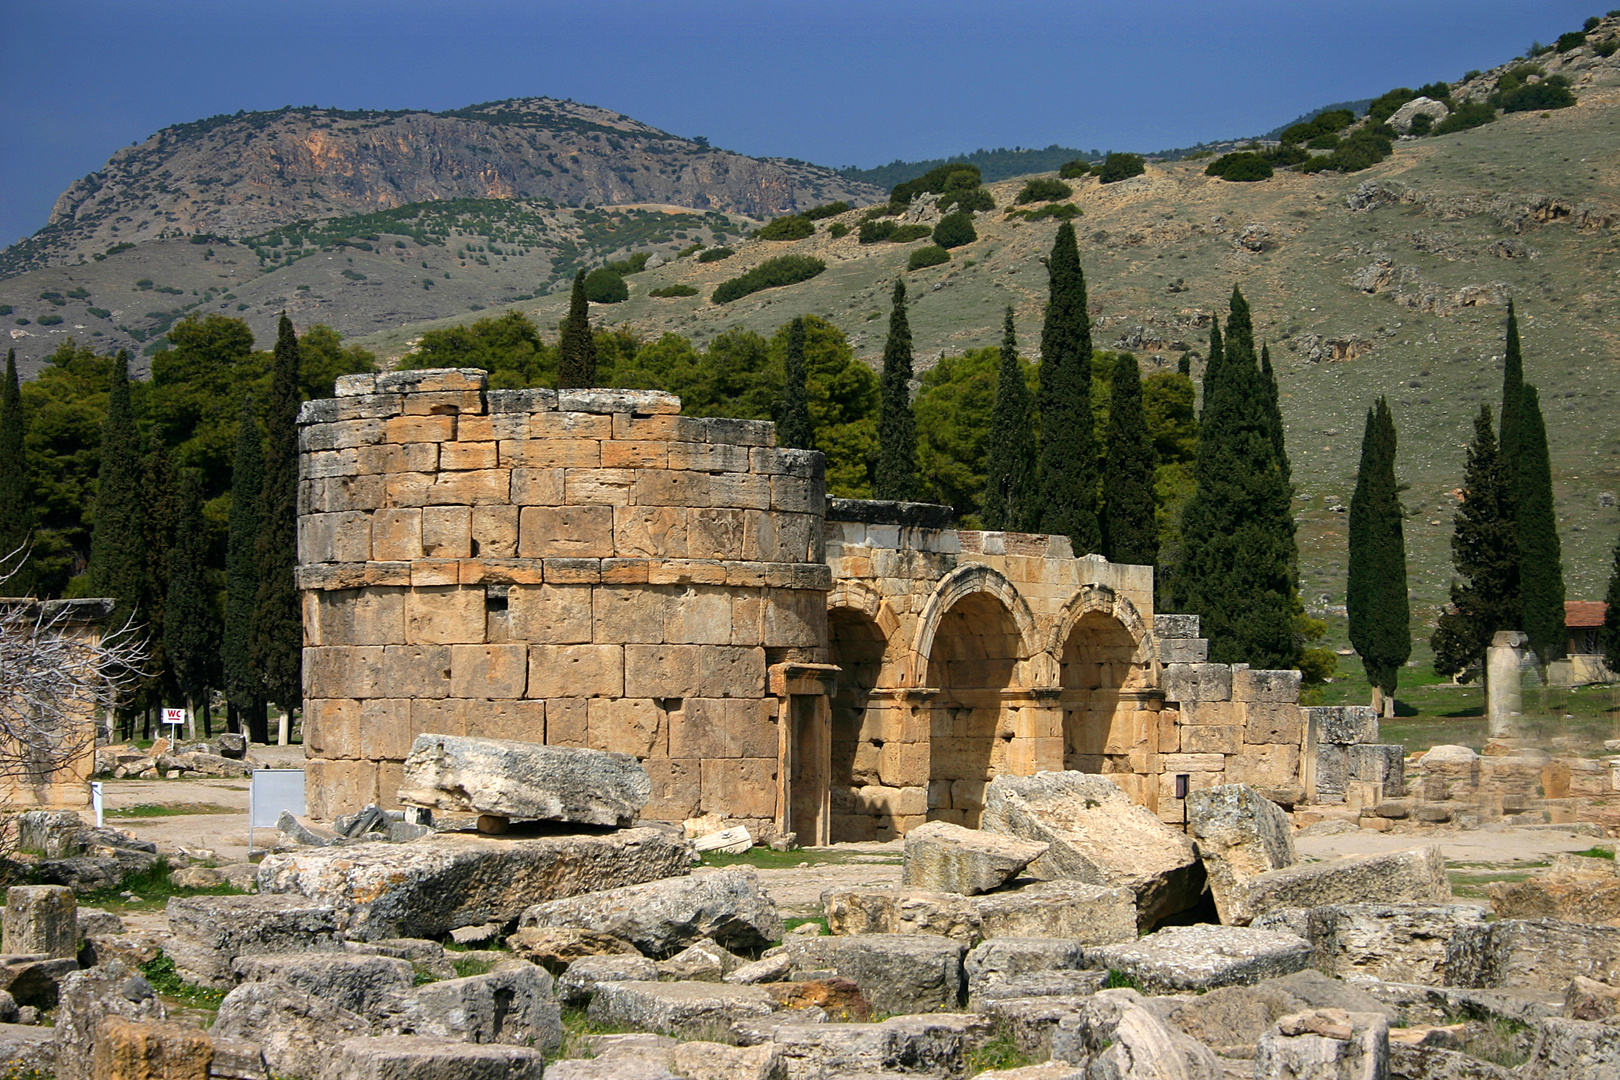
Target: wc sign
175	717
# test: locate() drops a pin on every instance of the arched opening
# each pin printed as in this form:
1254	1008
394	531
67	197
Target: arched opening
976	649
856	645
1096	665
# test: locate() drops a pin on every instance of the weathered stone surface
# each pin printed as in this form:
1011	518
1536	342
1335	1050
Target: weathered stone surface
677	1008
717	1061
511	1004
555	947
412	1057
1116	1034
1588	999
41	920
701	961
87	1000
947	857
1030	1021
25	1047
767	969
1096	834
1082	912
1437	1063
1416	876
96	922
900	911
1038	984
1009	959
208	933
425	955
151	1050
839	1000
431	886
661	917
524	781
1391	942
924	1046
1231	1019
1541	954
1240	834
898	973
1327	1044
1046	1070
296	1031
360	984
1203	957
1575	889
33	980
580	981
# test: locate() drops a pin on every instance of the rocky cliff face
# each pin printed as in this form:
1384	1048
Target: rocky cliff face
248	174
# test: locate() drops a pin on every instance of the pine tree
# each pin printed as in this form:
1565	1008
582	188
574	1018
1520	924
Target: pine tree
1237	536
117	560
190	630
278	636
16	498
1010	464
1067	469
1130	527
576	348
794	427
1541	572
242	573
1380	619
1609	636
896	474
1484	556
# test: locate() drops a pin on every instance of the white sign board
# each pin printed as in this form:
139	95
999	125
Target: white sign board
95	801
270	792
174	716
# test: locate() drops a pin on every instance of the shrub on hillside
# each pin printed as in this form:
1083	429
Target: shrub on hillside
770	274
1385	105
1421	124
1242	167
635	264
603	286
1470	114
1074	170
968	199
1285	155
1572	40
1536	97
1325	141
792	227
832	209
1362	149
905	234
954	230
1436	91
1060	211
932	255
838	230
1327	123
953	175
673	290
715	254
1119	167
876	230
1043	189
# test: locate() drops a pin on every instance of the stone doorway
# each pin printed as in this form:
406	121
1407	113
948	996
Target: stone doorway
805	763
1096	666
971	666
856	648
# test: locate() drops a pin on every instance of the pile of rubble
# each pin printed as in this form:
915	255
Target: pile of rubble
224	756
1074	929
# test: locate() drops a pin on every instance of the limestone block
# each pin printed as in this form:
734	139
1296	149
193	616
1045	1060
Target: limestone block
661	671
784	461
1219	713
1210	739
365	492
414	671
1417	875
739	787
626	726
639	402
435	572
1274	722
1196	682
795	617
698	615
1076	911
576	671
1327	1044
1115	1033
1182	958
536	487
494	531
208	933
431	380
446	716
488	671
370	616
339	787
41	920
904	765
1343	724
340	537
551	614
673	487
948	857
150	1050
726	671
1575	889
1380	764
626	571
677	788
1192	763
722	728
715	533
568	722
342	671
444	615
745	491
410	457
708	457
1240	834
1183	650
1249	684
900	911
1332	769
1402	943
447	532
677	1008
546	532
650	531
597	487
635	454
332	727
524	721
524	781
384	728
428	1058
416	429
521	401
397	533
444	403
661	917
898	973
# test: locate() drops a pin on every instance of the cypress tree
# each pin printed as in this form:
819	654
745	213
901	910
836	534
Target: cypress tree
161	511
576	349
1274	406
1130	527
1609	636
241	571
1217	358
1067	468
117	559
1512	398
190	629
1541	572
16	498
278	635
1484	556
1010	464
896	473
794	427
1380	619
1235	568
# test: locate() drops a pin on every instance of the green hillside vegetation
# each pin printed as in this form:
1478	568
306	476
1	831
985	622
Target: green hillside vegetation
771	274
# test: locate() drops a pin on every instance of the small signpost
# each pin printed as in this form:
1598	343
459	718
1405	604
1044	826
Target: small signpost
271	792
95	800
175	719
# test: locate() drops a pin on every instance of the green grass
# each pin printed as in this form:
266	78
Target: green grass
1596	853
468	966
152	889
151	810
1119	980
764	858
1001	1052
791	924
166	981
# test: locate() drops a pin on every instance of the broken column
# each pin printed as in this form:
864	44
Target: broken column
1504	702
41	920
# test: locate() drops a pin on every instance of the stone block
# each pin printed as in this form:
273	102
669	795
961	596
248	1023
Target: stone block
339	787
728	671
524	721
1075	910
359	983
1211	739
546	532
715	533
447	532
414	671
897	973
369	616
1343	724
524	781
677	789
597	487
1417	875
444	615
521	401
900	911
1274	722
661	671
151	1050
536	486
674	487
662	917
1175	626
722	728
339	537
740	787
585	973
948	857
1250	684
1397	943
699	615
416	457
795	618
384	729
208	933
1575	889
1380	763
1332	769
708	457
488	671
678	1008
1196	682
512	1004
635	454
744	491
494	531
1325	1044
342	671
630	614
396	1057
627	726
428	381
576	671
933	1045
548	453
1240	834
567	721
41	920
1178	959
551	614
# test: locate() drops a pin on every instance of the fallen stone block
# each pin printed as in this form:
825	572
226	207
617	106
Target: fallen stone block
898	973
524	781
420	953
208	933
1038	984
414	1057
151	1050
33	980
511	1004
900	911
1115	1033
96	922
1046	1070
1096	834
1437	1063
555	947
1240	834
88	999
946	857
41	920
1325	1044
1010	959
928	1046
431	886
678	1008
1030	1021
1574	889
1230	1020
28	1048
95	873
1082	912
54	834
296	1031
1180	958
733	841
303	834
701	961
1414	876
662	917
1588	999
717	1061
635	1057
1391	942
836	1000
360	984
579	982
767	969
1539	954
1574	1050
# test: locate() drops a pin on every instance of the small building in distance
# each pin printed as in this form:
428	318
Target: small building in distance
1584	663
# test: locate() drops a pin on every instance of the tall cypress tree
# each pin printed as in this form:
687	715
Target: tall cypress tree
576	348
1009	482
1268	376
162	510
1541	572
242	688
1609	636
1507	443
1067	468
1380	619
1217	358
1484	556
1238	553
16	498
794	428
278	634
117	559
896	473
190	629
1130	527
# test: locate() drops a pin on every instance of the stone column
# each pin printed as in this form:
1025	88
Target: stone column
41	920
1503	690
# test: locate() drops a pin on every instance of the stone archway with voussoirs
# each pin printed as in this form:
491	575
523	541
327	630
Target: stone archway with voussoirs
863	636
960	583
1107	698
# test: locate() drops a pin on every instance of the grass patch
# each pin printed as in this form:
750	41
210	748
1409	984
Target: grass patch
468	966
763	858
1119	980
160	972
1001	1052
577	1027
152	888
149	810
1596	853
789	925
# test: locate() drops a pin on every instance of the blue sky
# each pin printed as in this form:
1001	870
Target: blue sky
835	82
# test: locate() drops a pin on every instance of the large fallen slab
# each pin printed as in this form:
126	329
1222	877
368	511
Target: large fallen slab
393	1057
524	781
897	972
928	1046
1182	958
1414	876
663	917
431	886
943	856
208	933
1118	1034
678	1008
1096	834
1532	954
1405	943
1575	889
1085	913
1240	834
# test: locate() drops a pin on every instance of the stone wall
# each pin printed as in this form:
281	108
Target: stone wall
56	777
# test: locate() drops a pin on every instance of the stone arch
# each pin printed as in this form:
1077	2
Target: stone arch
1102	648
1100	599
952	588
862	636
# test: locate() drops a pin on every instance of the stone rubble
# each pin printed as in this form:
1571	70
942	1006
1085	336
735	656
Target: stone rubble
524	781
